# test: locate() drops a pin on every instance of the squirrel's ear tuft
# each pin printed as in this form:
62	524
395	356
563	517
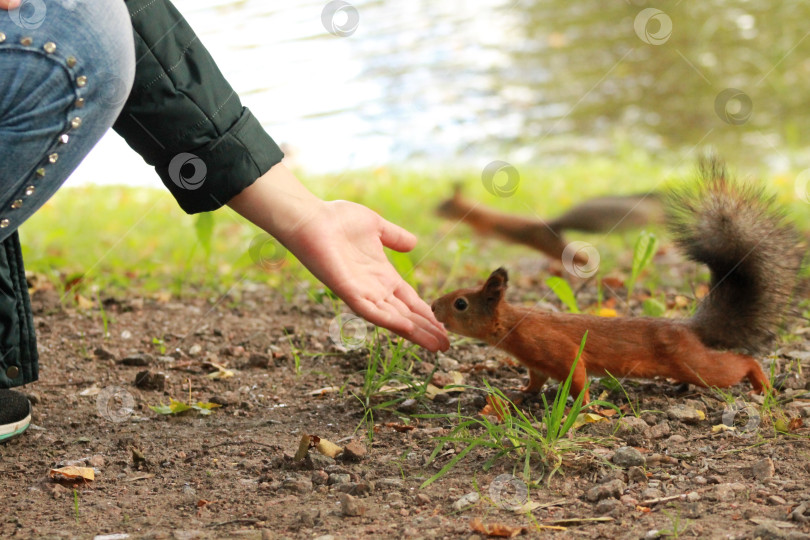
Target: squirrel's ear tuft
495	286
501	275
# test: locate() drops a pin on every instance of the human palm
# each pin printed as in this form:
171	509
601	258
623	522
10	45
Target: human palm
342	245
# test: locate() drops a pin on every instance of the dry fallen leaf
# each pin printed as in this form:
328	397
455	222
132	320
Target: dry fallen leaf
91	391
431	391
303	448
587	418
722	427
73	473
402	428
221	371
607	413
786	425
391	388
84	303
501	530
324	391
327	448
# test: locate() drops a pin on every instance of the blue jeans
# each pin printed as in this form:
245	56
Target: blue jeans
66	69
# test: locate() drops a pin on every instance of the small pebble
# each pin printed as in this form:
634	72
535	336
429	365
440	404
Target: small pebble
627	456
651	493
258	360
147	380
354	451
390	483
319	478
337	478
637	475
297	484
608	507
138	359
408	406
466	501
630	424
103	354
684	413
763	469
658	431
351	506
614	489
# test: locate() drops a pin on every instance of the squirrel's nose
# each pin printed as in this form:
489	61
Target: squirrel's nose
433	307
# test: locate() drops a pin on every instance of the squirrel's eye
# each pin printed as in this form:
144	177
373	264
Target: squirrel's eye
460	304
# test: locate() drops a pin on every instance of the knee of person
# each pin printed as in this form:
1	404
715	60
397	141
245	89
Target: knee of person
111	62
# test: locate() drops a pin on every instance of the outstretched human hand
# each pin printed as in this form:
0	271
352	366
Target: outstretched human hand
342	243
9	4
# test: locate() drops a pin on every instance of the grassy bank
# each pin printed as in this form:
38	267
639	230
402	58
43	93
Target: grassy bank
119	238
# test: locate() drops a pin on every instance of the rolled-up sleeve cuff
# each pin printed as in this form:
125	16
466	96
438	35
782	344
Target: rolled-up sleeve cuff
206	178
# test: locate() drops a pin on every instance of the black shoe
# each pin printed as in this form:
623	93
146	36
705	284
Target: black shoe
15	413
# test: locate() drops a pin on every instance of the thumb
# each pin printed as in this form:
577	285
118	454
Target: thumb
9	4
395	237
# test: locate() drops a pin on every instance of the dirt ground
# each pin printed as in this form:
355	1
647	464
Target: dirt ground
661	471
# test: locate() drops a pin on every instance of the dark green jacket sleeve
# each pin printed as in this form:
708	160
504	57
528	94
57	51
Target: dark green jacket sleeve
184	118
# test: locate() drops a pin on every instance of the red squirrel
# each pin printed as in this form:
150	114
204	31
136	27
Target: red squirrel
601	214
754	258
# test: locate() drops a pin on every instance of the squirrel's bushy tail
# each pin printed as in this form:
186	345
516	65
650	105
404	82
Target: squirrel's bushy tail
753	254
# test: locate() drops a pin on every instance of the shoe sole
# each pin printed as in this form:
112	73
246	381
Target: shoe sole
15	428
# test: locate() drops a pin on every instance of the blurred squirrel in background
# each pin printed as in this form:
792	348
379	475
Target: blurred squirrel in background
754	257
601	214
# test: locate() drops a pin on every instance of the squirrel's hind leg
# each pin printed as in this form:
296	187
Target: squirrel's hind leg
536	381
757	377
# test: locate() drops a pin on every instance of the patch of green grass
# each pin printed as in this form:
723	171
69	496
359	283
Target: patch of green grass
614	385
519	435
562	289
390	367
76	504
642	255
677	526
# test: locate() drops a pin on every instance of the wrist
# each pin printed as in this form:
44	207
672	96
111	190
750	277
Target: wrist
278	203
